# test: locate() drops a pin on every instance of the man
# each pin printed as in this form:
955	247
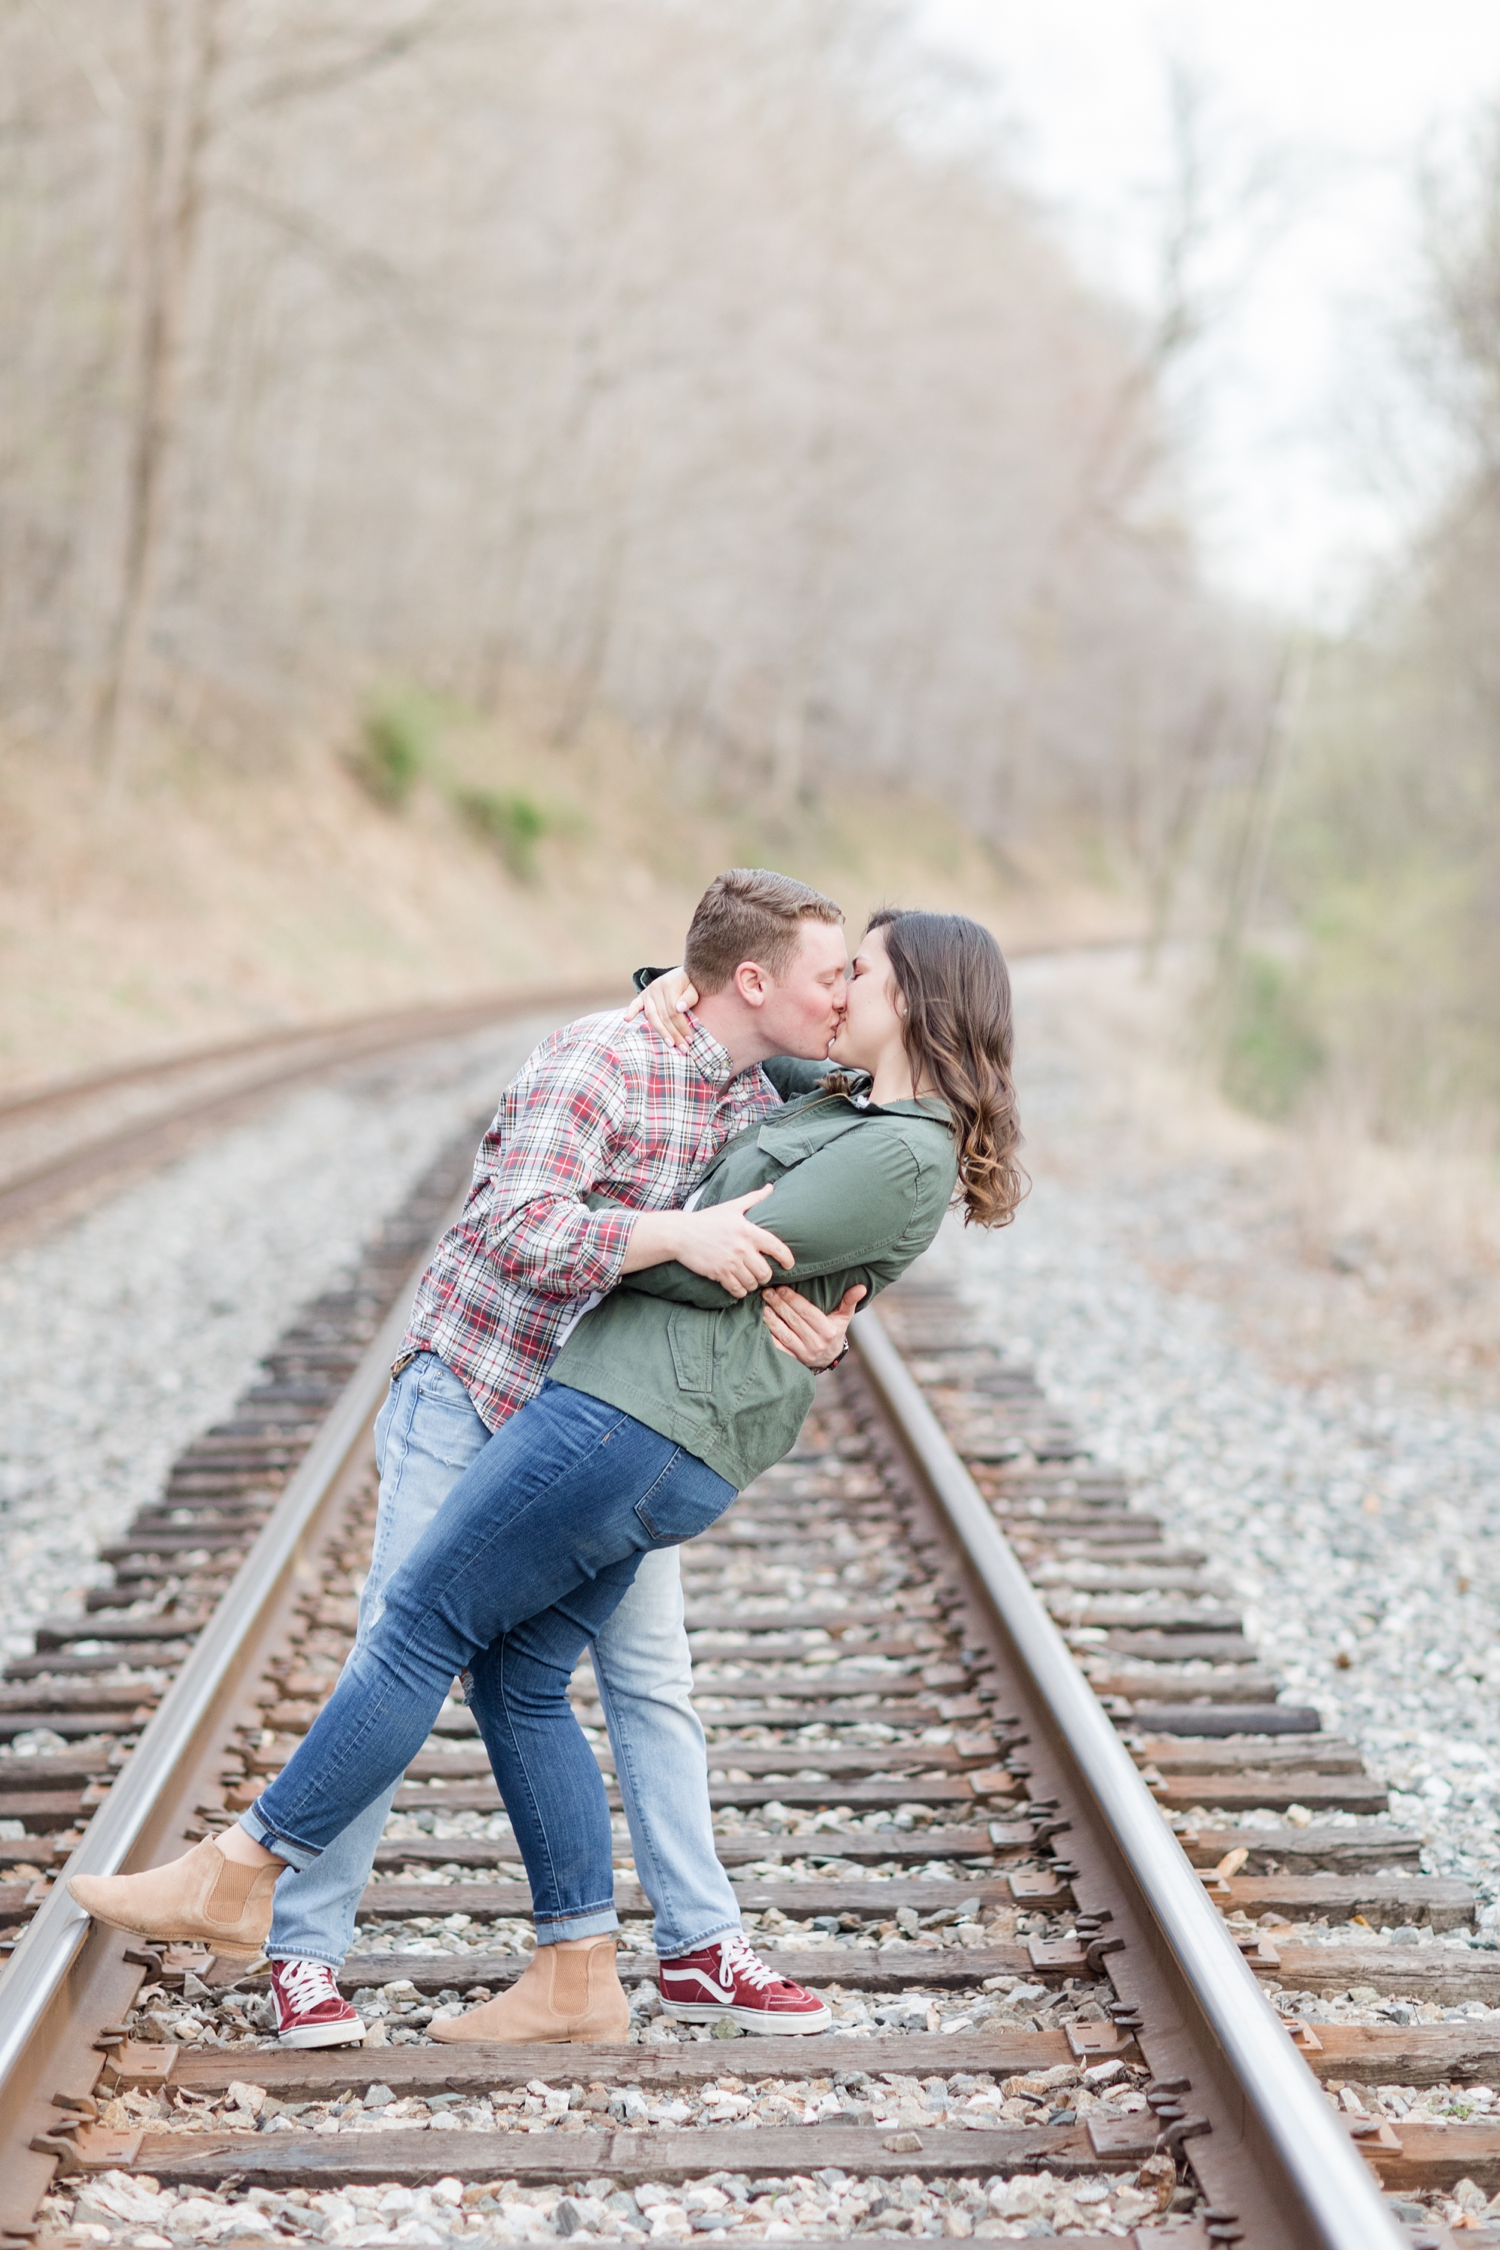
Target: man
596	1144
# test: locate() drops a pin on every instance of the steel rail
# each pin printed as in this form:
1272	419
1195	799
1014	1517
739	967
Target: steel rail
62	1957
287	1059
1325	2196
397	1023
67	1979
1317	2190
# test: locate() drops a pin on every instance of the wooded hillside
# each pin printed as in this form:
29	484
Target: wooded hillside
699	359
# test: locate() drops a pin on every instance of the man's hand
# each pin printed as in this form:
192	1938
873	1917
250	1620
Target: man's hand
801	1330
721	1243
664	1004
729	1248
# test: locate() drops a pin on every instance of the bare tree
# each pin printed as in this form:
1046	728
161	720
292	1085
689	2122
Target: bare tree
659	349
180	63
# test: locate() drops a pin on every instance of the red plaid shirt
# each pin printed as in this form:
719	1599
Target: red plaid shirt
602	1107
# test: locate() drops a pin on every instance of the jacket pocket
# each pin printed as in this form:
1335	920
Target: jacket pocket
791	1140
691	1336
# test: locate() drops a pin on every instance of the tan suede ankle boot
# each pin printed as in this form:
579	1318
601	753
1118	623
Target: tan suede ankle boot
566	1992
202	1898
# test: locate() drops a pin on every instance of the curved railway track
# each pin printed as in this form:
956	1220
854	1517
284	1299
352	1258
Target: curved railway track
953	1682
57	1142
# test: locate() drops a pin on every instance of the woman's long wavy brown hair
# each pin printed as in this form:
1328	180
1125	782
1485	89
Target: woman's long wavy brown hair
958	1037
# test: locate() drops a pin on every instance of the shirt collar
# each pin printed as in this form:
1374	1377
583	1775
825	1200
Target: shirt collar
711	1061
925	1105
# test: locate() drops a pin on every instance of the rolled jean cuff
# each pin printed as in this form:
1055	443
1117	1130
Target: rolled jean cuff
300	1856
603	1921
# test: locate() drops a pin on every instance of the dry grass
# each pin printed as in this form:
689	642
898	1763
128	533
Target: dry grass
1337	1253
208	901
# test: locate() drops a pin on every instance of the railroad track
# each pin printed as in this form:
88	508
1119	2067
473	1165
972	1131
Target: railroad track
57	1142
1049	2000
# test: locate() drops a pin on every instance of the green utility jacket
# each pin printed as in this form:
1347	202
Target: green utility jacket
858	1193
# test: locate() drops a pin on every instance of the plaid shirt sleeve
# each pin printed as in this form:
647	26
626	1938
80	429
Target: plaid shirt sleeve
559	1127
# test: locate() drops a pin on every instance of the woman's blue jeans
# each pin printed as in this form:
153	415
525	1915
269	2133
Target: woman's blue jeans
531	1553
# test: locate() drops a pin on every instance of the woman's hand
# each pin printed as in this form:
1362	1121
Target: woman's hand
664	1004
721	1243
804	1332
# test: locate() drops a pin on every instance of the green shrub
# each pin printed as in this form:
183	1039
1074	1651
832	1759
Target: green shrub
1272	1050
512	825
396	746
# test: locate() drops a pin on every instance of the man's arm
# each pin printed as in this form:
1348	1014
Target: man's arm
722	1244
562	1125
559	1124
841	1207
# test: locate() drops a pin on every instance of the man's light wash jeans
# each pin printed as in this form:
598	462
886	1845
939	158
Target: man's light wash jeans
427	1434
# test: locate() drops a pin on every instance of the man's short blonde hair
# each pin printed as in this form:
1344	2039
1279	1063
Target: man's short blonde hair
750	914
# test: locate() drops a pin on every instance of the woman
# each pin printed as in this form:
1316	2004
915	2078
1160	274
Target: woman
664	1402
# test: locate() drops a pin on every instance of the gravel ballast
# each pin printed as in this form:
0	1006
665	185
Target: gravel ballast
1349	1515
1355	1517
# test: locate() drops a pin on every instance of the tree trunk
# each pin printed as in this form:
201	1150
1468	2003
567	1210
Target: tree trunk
175	136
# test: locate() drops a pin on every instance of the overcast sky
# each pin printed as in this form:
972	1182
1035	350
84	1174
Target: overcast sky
1357	91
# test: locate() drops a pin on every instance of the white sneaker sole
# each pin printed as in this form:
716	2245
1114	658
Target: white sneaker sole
748	2019
322	2035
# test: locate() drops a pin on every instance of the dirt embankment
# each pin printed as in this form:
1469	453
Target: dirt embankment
1336	1255
205	901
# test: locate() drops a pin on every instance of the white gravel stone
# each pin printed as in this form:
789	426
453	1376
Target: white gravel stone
115	2208
135	1327
1352	1518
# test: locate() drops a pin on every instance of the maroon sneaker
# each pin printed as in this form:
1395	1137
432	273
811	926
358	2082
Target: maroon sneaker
309	2009
727	1979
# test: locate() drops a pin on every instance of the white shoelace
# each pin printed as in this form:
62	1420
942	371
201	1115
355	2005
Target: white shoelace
306	1983
736	1953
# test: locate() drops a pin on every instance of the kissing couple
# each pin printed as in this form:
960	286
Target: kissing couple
672	1218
